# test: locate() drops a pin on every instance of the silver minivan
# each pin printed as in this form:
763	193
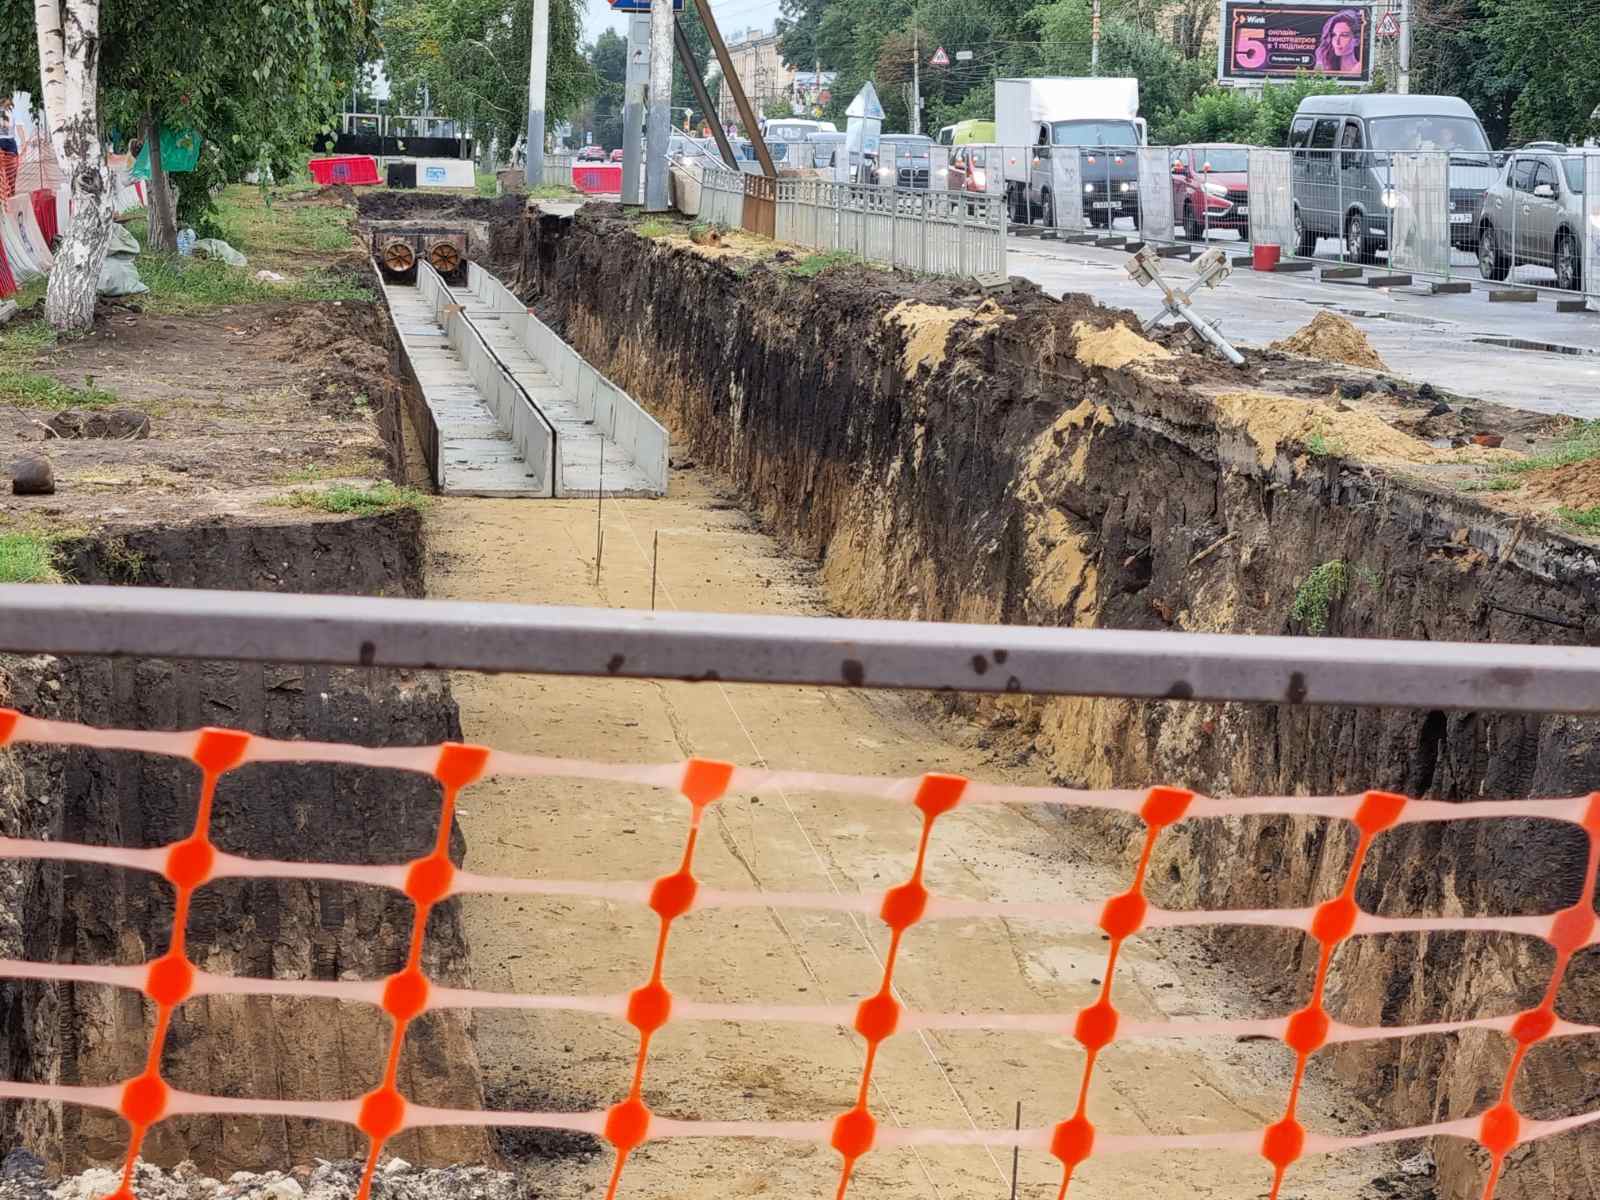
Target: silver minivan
1340	149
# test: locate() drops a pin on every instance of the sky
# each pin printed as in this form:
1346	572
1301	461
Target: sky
731	15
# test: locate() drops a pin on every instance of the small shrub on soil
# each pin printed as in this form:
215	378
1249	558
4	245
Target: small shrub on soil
654	229
1321	588
27	558
1585	519
816	264
30	389
343	498
1503	483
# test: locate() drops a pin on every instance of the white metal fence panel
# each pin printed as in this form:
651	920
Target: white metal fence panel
1418	203
558	170
1271	199
1591	224
1155	193
1066	174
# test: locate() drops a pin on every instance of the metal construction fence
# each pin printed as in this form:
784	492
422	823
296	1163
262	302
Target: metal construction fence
1529	218
558	170
933	231
678	799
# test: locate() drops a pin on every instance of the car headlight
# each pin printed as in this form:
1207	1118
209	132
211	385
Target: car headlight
1216	189
1126	186
1391	198
1088	188
885	171
979	178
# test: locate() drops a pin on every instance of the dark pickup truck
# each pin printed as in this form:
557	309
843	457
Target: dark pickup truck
1108	172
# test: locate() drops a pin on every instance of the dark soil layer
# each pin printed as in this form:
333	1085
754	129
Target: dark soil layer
997	473
264	1047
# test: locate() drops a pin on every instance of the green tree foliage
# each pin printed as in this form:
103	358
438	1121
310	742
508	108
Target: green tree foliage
608	66
471	57
1220	114
1548	56
259	79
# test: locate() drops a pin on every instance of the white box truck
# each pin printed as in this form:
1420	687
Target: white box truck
1097	118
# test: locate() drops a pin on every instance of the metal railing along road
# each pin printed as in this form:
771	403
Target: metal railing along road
1526	217
930	231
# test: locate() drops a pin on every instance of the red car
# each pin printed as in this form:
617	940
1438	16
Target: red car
592	154
970	167
1211	189
616	155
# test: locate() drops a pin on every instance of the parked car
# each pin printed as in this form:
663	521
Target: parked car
971	167
904	160
1211	188
823	148
592	154
1533	213
616	155
1340	148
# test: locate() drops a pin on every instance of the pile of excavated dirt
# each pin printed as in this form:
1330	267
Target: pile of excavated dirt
927	331
1334	339
23	1177
1575	485
1114	346
1271	420
382	204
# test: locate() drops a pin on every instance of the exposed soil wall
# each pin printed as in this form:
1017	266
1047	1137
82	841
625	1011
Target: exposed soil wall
265	1047
947	459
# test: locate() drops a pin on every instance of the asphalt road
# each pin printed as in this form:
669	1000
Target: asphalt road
1522	354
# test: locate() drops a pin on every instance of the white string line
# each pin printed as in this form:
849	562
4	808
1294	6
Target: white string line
922	1036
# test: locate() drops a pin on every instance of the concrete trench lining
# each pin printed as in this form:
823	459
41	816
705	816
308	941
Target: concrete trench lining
508	408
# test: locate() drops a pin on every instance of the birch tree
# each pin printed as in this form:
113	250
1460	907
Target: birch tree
69	64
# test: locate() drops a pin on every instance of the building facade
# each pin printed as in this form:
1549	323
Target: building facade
758	63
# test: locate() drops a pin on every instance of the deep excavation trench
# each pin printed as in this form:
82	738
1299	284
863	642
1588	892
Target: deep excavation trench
258	1046
1017	462
940	458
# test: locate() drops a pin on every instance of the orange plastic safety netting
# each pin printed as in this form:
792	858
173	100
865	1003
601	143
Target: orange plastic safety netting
194	862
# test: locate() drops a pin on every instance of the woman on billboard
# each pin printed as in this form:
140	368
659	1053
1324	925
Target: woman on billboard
1339	48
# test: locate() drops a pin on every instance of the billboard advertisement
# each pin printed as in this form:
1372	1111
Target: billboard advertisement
1278	41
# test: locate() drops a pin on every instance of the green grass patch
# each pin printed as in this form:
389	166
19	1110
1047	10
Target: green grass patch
817	264
1586	520
343	498
28	558
655	229
184	285
554	191
30	389
1503	483
277	230
488	184
1578	444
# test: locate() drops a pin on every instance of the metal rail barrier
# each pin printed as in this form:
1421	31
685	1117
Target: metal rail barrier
352	631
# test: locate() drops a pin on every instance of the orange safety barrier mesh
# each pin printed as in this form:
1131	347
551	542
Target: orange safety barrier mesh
193	862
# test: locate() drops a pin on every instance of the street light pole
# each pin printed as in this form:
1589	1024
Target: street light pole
538	73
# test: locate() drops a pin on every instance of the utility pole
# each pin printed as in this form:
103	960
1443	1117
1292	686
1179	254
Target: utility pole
1094	42
634	85
916	77
659	125
1405	47
538	71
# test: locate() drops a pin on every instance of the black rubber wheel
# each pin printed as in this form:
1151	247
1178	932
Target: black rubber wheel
1568	263
1305	242
1047	210
1491	263
1191	227
1357	246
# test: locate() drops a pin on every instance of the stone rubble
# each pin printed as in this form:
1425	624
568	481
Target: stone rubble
23	1176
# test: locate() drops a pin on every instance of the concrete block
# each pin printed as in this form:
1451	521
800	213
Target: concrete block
1513	296
1450	287
1337	274
1573	306
1382	281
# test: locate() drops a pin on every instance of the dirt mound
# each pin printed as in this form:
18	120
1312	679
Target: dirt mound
1114	346
1334	339
385	205
1271	420
1575	485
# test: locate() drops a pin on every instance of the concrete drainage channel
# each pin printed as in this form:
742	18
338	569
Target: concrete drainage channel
503	407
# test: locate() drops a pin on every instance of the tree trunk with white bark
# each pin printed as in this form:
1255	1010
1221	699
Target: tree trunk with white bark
69	67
